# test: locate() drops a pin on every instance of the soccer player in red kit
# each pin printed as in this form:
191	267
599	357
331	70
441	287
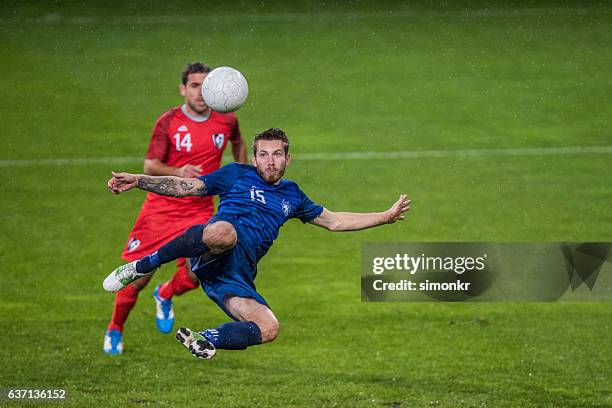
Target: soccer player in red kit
187	141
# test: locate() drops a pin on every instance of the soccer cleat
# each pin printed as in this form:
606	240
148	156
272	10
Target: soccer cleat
113	342
164	317
197	344
122	276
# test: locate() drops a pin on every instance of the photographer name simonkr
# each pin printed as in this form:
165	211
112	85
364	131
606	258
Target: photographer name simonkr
408	285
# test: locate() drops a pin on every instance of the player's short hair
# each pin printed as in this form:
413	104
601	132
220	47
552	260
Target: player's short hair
271	134
194	68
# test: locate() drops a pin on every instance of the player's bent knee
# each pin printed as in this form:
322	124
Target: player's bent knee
269	330
220	236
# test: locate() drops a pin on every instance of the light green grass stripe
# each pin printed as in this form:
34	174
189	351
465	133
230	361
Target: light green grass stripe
406	154
308	17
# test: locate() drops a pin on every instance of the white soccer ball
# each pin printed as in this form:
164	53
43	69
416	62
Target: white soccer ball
225	89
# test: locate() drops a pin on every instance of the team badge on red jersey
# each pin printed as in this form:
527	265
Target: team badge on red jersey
218	139
133	244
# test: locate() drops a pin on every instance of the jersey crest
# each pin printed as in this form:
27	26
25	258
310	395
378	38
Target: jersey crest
286	206
218	139
133	244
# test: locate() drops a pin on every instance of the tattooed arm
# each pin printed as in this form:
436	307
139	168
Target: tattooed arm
162	185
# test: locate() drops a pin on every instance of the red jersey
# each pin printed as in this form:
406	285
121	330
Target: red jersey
177	140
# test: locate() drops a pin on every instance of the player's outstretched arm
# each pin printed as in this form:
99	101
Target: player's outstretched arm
345	221
162	185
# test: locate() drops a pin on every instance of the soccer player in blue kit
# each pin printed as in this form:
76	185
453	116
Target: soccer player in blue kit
254	203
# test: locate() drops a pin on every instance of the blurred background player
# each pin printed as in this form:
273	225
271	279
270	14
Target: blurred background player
187	141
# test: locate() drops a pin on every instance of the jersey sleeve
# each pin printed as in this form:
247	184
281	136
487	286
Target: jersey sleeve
221	181
307	209
159	146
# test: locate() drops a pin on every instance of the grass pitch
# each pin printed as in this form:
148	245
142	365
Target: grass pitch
88	81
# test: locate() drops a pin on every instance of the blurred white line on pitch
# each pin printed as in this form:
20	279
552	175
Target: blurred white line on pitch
416	154
402	154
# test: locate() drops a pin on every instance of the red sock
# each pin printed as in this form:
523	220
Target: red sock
125	300
180	283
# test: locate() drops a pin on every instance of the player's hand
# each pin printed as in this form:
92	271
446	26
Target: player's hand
121	182
396	212
189	171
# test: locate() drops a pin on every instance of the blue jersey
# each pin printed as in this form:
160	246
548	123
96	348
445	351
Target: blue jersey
255	208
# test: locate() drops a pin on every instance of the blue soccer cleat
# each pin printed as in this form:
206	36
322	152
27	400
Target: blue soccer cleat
164	317
113	342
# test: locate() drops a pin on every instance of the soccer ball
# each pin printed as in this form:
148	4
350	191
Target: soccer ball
225	89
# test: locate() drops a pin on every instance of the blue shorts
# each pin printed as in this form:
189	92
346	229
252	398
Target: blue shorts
226	275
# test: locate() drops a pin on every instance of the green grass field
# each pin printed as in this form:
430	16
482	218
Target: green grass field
88	81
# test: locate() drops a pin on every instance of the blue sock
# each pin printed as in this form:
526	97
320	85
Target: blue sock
187	245
234	335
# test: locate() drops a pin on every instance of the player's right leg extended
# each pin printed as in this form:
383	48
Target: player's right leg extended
256	324
216	237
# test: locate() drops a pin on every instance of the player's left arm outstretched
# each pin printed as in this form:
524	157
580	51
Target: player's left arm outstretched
346	221
163	185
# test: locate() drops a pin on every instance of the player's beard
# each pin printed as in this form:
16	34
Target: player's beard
271	177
